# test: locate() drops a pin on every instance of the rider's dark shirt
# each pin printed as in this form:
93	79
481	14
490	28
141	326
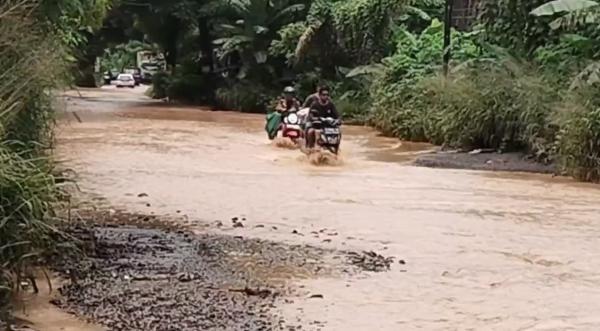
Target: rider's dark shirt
318	109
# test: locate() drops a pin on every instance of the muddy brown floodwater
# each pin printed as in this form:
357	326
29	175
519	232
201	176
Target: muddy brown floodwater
483	251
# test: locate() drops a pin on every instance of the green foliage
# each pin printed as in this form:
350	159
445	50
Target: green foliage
122	56
419	55
579	139
27	228
160	84
72	20
563	6
32	65
562	60
357	32
244	97
572	12
251	29
191	88
364	27
286	45
509	24
482	106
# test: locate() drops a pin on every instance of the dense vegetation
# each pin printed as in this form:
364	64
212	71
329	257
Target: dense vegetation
522	77
37	39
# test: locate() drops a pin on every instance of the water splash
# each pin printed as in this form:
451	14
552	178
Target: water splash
286	143
323	158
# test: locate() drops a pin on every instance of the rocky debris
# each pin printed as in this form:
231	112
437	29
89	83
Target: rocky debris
238	225
316	296
253	292
141	279
146	274
370	261
142	195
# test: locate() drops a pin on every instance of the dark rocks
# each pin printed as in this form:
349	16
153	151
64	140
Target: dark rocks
148	279
370	261
141	279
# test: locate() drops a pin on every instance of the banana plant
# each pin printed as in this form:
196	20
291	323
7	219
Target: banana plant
572	12
251	27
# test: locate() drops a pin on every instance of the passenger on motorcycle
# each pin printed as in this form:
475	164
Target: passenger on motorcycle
288	102
311	98
322	107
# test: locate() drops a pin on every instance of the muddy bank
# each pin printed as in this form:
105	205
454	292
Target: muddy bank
156	279
513	162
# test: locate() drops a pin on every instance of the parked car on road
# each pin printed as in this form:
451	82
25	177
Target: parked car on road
125	80
136	73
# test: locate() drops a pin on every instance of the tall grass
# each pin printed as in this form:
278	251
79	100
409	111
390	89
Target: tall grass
494	106
579	138
31	67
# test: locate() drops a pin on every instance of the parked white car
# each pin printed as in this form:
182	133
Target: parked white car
125	80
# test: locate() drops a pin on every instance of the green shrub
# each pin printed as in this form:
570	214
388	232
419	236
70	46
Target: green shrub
579	139
485	106
160	84
190	88
32	65
392	114
244	97
27	196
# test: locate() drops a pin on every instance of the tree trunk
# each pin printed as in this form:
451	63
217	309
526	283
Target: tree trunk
206	45
171	43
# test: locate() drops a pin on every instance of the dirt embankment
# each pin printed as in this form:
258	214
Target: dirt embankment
513	162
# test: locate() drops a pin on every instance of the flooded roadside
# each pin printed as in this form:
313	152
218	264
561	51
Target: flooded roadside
486	251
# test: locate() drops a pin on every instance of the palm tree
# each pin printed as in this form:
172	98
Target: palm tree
252	26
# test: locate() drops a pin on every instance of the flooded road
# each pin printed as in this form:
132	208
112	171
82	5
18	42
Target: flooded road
483	251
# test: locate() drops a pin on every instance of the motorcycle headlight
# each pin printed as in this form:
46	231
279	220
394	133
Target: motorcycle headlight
292	118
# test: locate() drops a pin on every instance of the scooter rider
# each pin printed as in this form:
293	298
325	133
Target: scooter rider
322	107
288	101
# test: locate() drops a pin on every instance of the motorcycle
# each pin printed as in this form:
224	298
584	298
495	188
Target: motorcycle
329	136
291	126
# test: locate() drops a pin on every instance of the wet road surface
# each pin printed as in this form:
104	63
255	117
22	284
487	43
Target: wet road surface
483	250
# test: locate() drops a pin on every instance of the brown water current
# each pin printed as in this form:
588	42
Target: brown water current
483	251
